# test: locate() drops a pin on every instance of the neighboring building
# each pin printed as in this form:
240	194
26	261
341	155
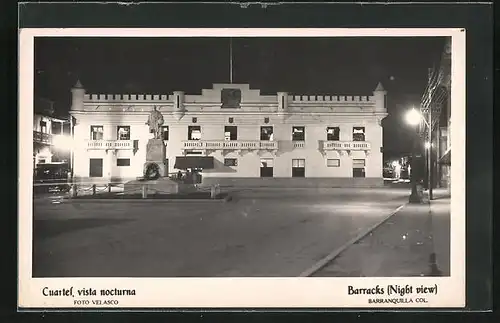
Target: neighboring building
437	98
444	136
244	136
47	132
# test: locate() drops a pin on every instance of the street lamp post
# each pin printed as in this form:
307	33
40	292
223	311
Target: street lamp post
413	118
429	156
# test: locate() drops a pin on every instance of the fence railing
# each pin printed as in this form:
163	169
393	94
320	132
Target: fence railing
345	145
82	189
110	144
42	137
230	144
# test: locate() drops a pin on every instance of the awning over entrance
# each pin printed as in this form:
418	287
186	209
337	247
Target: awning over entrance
186	162
446	159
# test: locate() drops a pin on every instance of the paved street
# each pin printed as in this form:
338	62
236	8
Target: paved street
260	233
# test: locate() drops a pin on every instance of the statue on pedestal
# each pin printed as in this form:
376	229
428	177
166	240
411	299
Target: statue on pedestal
155	121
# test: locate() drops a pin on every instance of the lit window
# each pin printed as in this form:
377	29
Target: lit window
123	133
43	126
358	133
194	133
231	133
298	133
333	133
266	133
164	131
96	132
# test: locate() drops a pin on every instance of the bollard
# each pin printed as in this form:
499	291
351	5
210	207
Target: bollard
109	188
144	191
93	189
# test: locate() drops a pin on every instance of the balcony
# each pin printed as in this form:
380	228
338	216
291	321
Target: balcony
299	144
41	137
344	146
233	145
114	145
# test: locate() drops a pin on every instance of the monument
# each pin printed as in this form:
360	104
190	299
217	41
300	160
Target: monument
155	178
154	167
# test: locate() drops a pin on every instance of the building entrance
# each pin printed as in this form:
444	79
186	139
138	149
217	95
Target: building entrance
95	167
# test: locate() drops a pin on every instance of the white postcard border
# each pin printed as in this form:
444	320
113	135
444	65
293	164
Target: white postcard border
238	292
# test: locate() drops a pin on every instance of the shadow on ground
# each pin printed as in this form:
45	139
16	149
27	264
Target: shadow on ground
43	229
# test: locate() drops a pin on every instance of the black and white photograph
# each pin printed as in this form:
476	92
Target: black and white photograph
244	161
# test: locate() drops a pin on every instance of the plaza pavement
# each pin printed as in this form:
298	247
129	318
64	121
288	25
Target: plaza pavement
413	242
260	233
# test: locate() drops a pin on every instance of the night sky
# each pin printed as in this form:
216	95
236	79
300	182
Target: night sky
297	65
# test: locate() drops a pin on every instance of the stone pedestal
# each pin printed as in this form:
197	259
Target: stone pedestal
159	186
155	153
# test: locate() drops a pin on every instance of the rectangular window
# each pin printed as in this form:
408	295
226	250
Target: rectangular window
298	167
164	132
194	132
230	162
67	129
123	133
96	132
333	163
266	133
230	133
358	168
333	133
358	172
358	133
43	126
123	162
358	163
56	128
266	167
95	167
298	133
193	152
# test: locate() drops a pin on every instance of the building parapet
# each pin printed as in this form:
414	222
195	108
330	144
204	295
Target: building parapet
127	97
196	98
331	98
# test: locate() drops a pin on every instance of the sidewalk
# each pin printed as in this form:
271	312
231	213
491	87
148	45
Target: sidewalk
413	242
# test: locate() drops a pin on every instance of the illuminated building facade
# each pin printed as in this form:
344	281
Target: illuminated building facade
234	135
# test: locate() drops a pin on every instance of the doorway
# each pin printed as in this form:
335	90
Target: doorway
95	167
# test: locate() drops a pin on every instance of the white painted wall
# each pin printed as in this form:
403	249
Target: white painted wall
248	119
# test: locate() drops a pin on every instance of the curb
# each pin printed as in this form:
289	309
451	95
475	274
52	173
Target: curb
323	262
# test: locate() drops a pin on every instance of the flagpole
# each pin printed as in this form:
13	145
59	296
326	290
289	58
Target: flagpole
231	60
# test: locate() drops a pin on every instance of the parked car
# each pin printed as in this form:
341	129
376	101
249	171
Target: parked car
51	177
388	172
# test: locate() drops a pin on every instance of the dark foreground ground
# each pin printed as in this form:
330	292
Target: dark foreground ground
259	233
